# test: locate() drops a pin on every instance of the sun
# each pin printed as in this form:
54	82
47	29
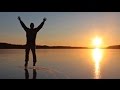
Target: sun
97	42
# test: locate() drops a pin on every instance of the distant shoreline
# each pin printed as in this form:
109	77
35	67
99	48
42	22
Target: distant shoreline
14	46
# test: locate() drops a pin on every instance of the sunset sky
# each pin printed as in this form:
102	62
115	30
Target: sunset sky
62	28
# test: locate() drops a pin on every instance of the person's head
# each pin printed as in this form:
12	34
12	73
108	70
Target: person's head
32	25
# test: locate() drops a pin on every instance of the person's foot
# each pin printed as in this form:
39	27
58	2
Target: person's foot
34	63
26	67
34	68
26	64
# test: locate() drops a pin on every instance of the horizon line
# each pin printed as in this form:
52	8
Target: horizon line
61	45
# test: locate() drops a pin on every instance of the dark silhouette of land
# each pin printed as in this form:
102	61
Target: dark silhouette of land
14	46
113	47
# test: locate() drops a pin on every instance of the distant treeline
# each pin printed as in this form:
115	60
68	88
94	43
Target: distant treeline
14	46
114	47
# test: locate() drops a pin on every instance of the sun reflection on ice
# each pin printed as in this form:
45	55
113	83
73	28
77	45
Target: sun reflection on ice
97	57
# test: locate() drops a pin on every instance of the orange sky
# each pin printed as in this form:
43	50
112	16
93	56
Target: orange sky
63	28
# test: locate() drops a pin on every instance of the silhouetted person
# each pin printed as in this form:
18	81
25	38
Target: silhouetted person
27	74
31	38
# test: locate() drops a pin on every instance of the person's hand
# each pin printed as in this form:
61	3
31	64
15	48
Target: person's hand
44	19
19	18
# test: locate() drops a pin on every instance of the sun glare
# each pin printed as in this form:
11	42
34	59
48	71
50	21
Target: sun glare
97	42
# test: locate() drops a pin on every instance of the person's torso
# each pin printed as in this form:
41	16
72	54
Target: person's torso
31	36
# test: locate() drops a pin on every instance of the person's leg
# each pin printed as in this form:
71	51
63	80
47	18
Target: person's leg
27	50
34	54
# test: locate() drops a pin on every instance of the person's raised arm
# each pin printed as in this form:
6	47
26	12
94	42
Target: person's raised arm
41	25
22	24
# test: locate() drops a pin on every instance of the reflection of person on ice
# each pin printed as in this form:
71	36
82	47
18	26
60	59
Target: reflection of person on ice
31	38
27	74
